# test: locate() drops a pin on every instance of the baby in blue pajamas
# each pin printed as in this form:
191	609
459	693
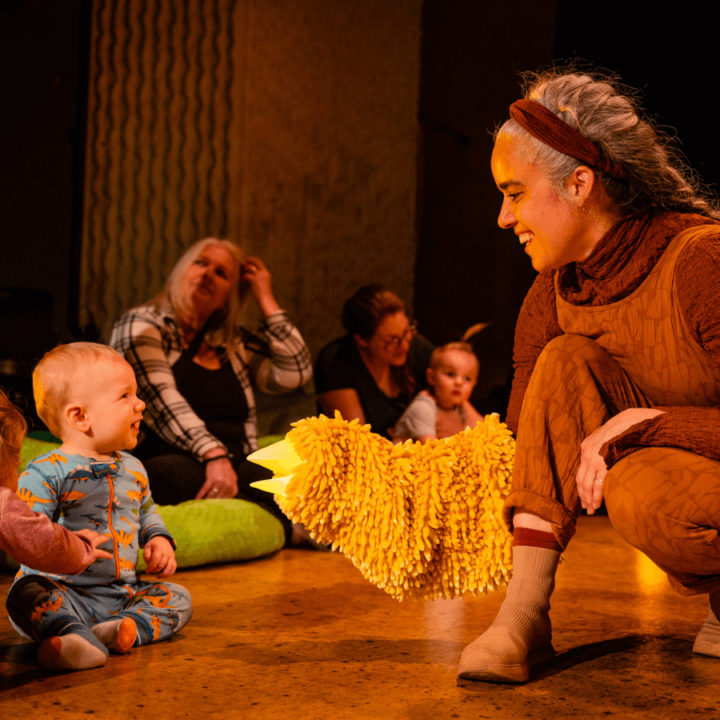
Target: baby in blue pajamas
86	394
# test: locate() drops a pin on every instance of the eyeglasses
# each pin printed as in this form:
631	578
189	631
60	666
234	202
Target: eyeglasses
395	341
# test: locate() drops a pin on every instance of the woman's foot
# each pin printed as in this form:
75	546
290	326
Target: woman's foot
70	652
707	641
521	634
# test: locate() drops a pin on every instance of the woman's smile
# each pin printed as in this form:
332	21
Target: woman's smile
553	230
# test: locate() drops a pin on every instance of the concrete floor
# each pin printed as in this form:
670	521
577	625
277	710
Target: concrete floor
302	635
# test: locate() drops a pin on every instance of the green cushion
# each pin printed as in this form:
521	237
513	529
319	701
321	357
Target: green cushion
32	448
206	531
266	440
219	531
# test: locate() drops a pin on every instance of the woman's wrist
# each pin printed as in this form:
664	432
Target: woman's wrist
221	456
268	305
216	451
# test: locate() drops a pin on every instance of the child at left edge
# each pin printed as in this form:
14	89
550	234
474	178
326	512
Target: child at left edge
87	395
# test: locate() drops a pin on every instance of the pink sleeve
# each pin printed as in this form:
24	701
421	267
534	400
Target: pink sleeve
34	540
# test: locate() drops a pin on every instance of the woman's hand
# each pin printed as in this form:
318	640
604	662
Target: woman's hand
258	277
592	470
220	477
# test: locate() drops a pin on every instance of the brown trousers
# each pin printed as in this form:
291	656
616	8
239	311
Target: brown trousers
663	501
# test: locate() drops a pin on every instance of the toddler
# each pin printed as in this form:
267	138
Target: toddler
445	409
31	538
86	394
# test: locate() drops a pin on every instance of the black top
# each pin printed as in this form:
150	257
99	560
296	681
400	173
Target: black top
215	396
340	367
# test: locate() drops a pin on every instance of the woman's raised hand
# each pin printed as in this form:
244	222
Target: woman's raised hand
258	277
591	473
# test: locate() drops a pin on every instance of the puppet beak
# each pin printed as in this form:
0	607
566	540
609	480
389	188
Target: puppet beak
282	459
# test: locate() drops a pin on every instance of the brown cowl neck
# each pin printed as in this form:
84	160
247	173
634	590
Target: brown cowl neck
623	258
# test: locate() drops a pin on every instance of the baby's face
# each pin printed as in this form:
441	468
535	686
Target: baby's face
454	378
107	389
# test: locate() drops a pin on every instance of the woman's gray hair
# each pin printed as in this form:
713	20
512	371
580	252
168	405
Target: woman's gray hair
226	333
655	174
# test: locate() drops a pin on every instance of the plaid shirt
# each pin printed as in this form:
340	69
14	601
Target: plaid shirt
276	360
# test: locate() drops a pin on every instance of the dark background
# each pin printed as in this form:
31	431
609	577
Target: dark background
467	270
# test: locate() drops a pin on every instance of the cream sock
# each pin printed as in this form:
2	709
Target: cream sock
707	641
116	635
523	624
69	652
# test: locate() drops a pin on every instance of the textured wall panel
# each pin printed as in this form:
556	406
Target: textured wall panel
158	137
329	159
289	126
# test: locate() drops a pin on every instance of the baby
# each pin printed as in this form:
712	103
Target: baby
445	409
86	394
31	538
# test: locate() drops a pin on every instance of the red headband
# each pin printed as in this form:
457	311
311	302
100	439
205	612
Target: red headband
547	127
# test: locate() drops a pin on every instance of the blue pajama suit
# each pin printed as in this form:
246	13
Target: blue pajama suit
112	498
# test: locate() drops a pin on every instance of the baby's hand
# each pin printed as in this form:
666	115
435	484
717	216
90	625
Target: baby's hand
160	557
95	540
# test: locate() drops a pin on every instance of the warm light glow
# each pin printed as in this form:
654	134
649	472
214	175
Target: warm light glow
651	578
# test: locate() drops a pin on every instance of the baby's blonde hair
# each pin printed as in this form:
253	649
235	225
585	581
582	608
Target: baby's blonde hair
438	352
12	432
51	378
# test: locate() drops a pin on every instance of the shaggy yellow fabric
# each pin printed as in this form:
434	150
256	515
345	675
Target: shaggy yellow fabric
418	520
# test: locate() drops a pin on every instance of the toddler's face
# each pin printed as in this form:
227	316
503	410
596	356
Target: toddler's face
454	378
108	390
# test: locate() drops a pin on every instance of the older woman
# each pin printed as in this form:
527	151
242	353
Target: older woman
372	372
617	355
196	365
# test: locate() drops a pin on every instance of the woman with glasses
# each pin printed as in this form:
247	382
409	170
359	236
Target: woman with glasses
373	371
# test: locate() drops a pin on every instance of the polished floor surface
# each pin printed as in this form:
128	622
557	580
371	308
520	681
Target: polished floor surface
302	635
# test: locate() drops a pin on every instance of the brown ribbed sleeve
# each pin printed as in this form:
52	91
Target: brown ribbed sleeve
537	325
690	428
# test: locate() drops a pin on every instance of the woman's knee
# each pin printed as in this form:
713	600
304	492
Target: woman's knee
566	352
573	369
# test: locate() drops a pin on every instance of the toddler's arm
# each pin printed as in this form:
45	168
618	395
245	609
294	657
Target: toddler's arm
472	416
418	420
34	540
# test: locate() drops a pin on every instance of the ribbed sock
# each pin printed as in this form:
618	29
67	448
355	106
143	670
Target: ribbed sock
524	614
523	623
116	635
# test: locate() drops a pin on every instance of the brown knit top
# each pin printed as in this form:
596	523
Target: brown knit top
617	266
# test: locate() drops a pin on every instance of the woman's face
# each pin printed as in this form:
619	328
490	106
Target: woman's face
391	342
209	280
553	231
